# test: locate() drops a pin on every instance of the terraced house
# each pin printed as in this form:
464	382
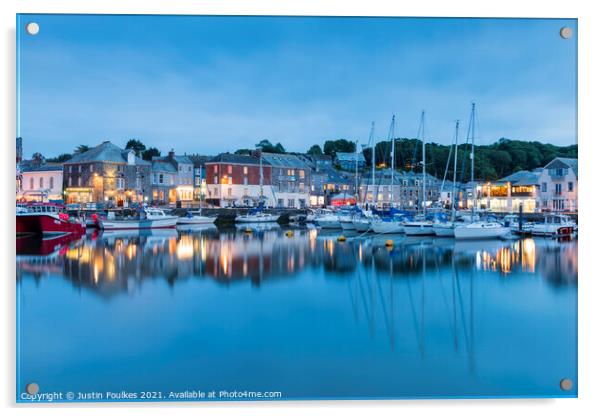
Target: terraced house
558	185
172	180
108	174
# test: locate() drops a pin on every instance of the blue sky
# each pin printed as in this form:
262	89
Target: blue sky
213	84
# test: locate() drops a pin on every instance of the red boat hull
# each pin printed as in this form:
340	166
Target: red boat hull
47	224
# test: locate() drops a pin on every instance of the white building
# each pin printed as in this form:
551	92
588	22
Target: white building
43	183
558	185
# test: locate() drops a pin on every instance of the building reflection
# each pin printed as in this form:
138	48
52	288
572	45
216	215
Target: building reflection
111	263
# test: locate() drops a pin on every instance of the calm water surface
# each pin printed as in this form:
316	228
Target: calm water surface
304	315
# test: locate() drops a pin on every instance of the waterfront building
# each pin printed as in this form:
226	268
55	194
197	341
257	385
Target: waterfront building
42	183
172	180
234	180
290	180
200	178
405	193
510	193
558	185
347	161
106	174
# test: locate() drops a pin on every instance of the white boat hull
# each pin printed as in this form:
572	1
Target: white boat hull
388	227
256	218
418	229
329	224
166	222
197	219
362	225
477	231
347	225
551	229
444	230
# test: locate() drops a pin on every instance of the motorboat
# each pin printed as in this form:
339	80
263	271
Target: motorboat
195	218
513	222
46	218
480	230
148	218
329	221
554	225
253	217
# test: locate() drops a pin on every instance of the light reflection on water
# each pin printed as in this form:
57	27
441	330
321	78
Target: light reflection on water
498	314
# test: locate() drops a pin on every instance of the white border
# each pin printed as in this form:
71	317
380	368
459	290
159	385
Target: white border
590	137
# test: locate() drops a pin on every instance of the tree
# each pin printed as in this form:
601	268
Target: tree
267	146
136	145
82	148
331	147
242	152
62	158
315	150
150	152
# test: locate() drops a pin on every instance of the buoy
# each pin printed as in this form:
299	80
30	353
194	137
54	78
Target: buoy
389	243
289	233
342	238
248	230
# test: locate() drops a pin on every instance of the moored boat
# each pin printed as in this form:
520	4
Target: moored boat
252	217
480	230
149	218
195	218
412	228
46	218
554	225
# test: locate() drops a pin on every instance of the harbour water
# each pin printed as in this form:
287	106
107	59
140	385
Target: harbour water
301	314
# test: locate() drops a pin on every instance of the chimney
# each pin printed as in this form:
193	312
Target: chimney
171	154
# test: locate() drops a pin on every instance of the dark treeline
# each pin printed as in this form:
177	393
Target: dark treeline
492	162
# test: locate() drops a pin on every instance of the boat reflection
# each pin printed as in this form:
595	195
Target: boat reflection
113	262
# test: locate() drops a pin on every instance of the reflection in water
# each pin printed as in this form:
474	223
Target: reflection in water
426	308
111	262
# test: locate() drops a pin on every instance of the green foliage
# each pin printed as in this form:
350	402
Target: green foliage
267	146
136	145
243	152
150	152
60	158
82	148
492	162
340	145
315	150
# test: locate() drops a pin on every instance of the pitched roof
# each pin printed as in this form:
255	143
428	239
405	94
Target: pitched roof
350	157
49	167
523	177
284	160
105	152
160	165
572	163
234	158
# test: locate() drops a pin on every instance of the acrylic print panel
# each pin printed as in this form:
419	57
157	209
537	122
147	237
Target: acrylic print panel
278	208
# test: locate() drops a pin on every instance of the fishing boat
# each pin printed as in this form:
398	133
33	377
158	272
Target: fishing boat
480	230
46	218
554	225
148	218
195	218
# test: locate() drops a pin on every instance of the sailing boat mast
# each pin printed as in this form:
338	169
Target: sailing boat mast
453	217
474	188
373	164
357	156
260	177
423	166
392	133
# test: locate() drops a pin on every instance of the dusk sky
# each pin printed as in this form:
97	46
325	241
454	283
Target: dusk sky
215	84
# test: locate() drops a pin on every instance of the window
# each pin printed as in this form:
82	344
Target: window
215	180
558	188
215	168
302	202
160	178
230	169
92	168
79	168
544	187
301	174
69	182
79	181
230	192
291	203
229	180
559	171
30	183
245	170
570	186
51	182
245	180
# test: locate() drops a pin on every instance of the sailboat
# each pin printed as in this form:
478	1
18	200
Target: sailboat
258	214
195	218
446	229
423	227
477	229
363	224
